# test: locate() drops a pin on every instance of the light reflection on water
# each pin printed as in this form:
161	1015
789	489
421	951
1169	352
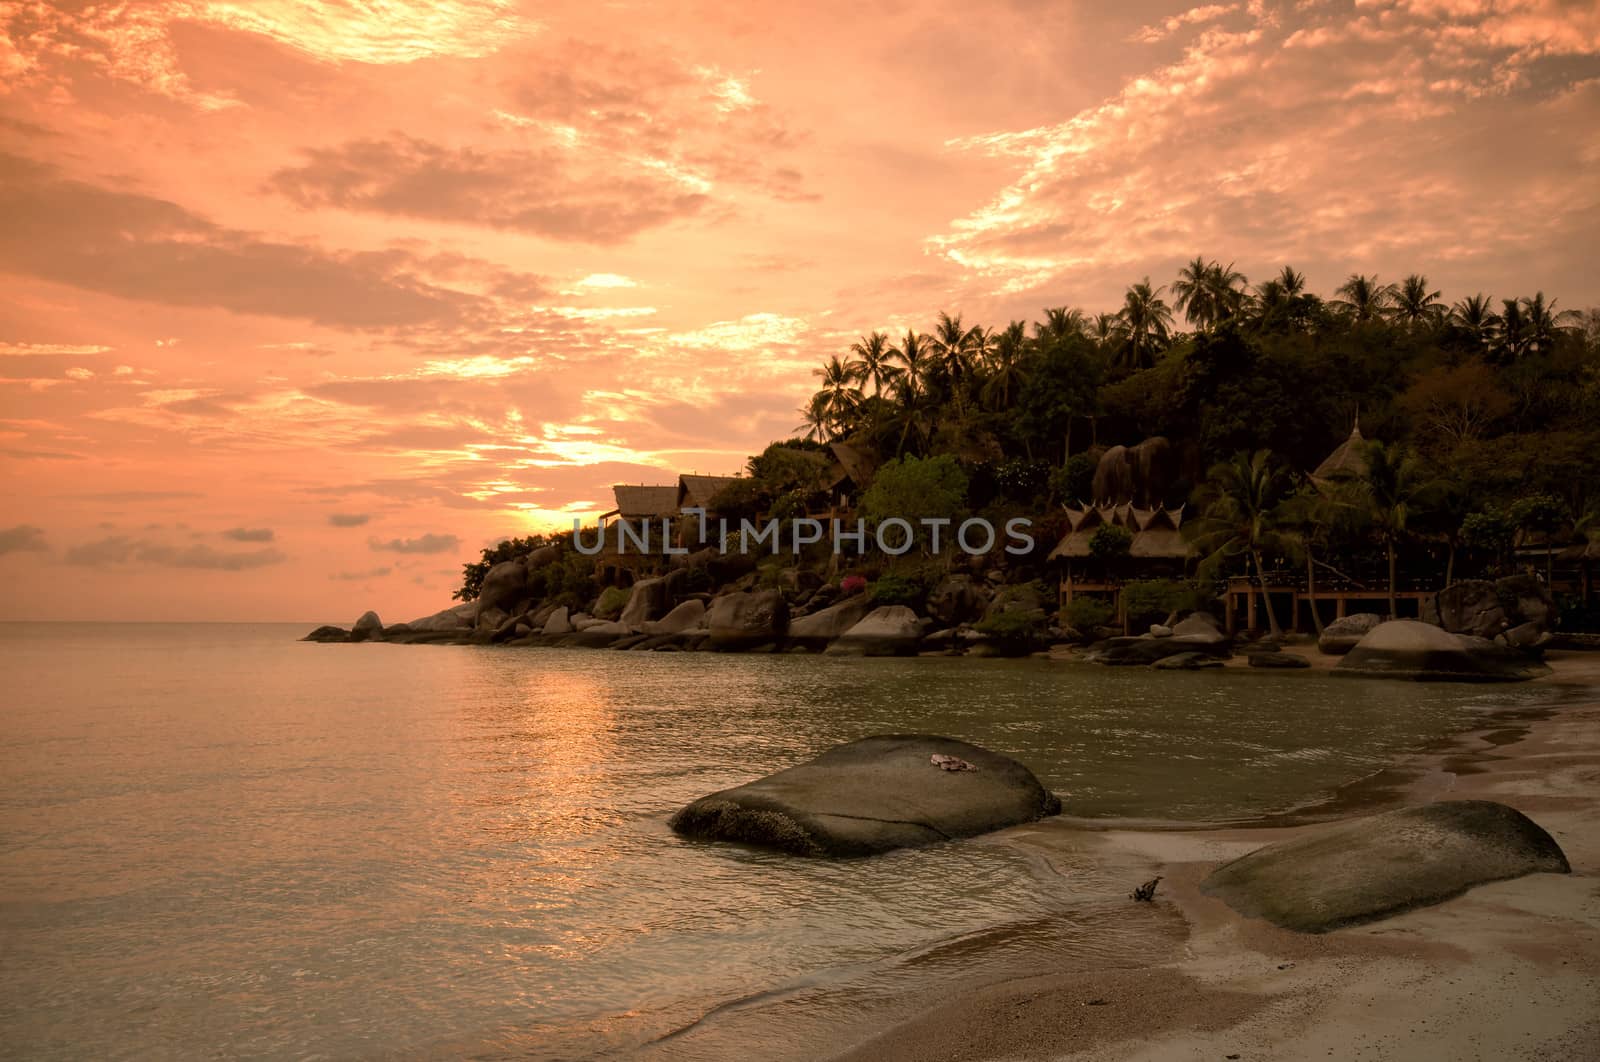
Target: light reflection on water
219	840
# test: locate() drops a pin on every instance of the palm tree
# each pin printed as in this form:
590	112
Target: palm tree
1364	298
1060	322
816	414
1513	330
1315	517
1543	323
1148	322
1394	486
1006	368
1475	316
958	350
1108	331
1414	304
1294	282
1209	293
872	364
839	396
915	357
1241	501
1192	293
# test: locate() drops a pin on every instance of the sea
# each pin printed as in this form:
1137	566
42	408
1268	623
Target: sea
217	841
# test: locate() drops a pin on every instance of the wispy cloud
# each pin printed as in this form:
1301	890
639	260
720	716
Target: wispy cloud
428	543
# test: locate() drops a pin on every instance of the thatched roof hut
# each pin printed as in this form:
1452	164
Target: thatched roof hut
1348	460
859	464
645	502
696	492
1156	532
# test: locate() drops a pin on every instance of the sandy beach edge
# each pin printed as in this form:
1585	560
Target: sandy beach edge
1509	970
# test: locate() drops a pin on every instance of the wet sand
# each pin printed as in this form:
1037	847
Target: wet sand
1510	970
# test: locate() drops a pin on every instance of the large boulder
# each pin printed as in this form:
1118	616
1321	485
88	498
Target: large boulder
327	633
1409	649
1143	649
955	600
685	617
819	628
1200	627
456	618
1369	868
1277	660
650	599
542	557
1485	609
1190	661
892	630
871	796
747	620
368	628
1342	635
1527	601
504	585
560	622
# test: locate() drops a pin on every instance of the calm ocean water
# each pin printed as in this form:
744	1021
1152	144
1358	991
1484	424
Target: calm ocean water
218	841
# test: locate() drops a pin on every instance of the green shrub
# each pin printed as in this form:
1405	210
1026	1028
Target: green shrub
898	590
1019	630
611	603
1087	613
1152	600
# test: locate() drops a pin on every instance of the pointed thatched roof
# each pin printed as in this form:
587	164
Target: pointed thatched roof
696	492
1156	532
645	502
858	463
1348	460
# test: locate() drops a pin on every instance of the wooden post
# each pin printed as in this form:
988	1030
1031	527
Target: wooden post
1294	611
1250	608
1227	610
1339	606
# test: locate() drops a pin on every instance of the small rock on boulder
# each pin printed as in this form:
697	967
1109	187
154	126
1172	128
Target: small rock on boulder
871	796
1341	636
747	620
1409	649
1369	868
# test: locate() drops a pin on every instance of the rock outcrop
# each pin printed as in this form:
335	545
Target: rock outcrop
747	620
456	618
1486	609
872	796
650	599
368	628
560	622
1370	868
892	630
1341	636
684	617
504	585
955	600
816	630
1409	649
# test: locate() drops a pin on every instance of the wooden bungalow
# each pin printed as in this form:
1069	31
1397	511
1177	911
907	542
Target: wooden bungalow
1158	548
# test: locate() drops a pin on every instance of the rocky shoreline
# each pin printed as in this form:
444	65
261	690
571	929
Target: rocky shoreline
1472	631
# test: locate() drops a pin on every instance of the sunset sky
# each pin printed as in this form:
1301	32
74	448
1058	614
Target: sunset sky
305	303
